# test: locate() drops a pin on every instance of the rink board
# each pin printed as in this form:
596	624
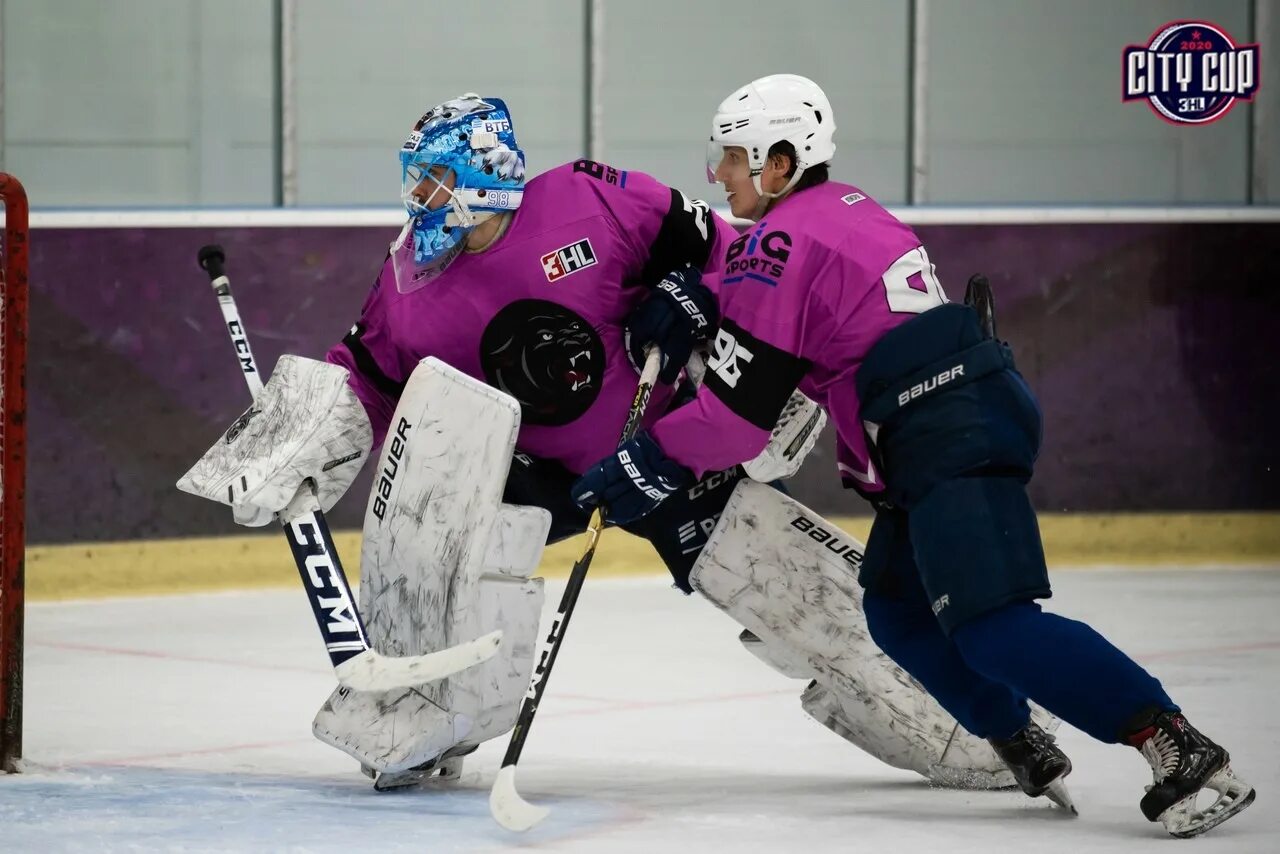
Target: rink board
144	567
1145	334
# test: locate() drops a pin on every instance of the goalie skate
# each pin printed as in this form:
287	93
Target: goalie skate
444	770
1057	792
1038	764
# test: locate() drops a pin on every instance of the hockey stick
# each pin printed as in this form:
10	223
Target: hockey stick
355	663
978	294
509	809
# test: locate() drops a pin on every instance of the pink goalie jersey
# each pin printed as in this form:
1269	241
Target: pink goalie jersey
540	314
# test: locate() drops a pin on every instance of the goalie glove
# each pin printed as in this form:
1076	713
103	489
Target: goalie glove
792	439
305	427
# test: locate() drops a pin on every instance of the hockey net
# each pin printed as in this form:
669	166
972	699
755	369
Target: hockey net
13	446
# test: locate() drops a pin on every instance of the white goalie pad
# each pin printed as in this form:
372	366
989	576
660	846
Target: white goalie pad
443	562
791	578
787	661
792	438
305	424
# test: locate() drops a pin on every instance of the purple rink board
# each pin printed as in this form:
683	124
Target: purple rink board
1153	348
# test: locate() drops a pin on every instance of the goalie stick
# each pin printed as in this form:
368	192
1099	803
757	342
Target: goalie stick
509	809
355	663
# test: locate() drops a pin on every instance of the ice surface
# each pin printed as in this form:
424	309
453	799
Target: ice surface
183	724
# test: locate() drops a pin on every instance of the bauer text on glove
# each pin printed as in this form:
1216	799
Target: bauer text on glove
678	314
632	482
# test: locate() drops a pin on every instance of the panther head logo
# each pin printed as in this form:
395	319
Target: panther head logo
234	431
545	356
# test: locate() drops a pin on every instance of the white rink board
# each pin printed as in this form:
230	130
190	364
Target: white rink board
183	723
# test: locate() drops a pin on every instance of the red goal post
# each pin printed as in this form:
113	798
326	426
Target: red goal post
13	460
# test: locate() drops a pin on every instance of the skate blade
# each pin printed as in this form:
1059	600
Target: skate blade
399	780
1183	820
446	771
1057	792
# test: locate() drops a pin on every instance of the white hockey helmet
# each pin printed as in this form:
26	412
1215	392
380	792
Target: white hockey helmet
777	108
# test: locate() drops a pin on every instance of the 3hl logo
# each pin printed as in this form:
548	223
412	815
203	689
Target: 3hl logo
568	259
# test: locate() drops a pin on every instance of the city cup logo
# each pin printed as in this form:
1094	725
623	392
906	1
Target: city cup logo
1191	72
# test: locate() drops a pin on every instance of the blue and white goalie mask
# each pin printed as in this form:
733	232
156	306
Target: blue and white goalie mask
459	166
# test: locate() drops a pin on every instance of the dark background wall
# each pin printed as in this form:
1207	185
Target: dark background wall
1153	348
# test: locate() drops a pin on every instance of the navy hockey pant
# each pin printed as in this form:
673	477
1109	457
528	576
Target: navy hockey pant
954	564
983	673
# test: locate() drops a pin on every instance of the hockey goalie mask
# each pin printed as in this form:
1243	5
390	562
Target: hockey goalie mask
459	166
777	108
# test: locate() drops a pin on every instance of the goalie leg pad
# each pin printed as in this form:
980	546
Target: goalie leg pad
790	441
787	661
443	562
790	577
962	764
679	528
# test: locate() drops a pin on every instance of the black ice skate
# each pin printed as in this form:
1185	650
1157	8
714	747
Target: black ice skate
1184	763
443	769
1037	763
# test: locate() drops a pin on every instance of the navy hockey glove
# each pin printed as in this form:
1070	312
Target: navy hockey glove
631	483
678	314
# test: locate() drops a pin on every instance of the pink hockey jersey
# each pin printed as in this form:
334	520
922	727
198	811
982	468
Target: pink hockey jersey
804	295
540	314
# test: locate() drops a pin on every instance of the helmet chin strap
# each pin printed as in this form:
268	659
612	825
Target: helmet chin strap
766	199
461	216
497	233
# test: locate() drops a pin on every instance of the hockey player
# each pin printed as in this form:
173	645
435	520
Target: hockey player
541	320
533	290
830	293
